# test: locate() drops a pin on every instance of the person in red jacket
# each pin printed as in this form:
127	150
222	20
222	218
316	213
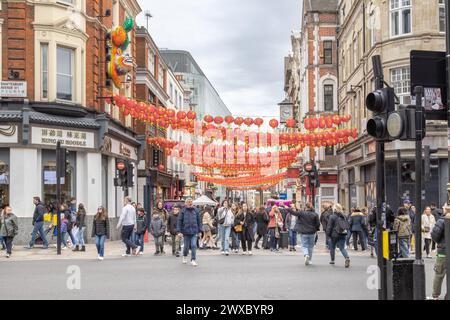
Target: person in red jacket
275	225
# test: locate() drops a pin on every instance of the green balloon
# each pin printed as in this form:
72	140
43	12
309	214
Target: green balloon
128	24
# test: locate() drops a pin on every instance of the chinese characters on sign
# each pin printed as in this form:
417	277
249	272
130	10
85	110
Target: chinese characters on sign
68	138
13	89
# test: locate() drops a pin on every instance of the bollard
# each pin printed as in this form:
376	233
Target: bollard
400	279
447	252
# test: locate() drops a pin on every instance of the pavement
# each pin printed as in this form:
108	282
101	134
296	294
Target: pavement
40	274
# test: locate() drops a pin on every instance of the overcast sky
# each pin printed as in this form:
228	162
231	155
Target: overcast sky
239	44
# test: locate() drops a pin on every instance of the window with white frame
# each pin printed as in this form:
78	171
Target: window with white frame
328	97
44	71
64	73
441	16
151	62
328	52
171	92
400	17
161	74
400	81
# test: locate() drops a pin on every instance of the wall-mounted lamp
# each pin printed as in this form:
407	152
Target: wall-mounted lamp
352	90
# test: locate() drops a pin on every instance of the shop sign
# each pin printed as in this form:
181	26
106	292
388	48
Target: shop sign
68	138
13	89
8	134
120	149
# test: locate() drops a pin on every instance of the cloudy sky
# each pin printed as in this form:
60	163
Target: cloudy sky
239	44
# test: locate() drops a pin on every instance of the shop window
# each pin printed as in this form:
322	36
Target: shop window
49	177
4	182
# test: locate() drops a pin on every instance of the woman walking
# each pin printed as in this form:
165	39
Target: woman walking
100	230
291	222
275	225
358	226
247	221
262	221
81	225
235	235
225	222
337	230
207	222
9	228
428	223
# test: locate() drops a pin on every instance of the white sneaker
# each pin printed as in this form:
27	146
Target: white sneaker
138	249
125	255
101	258
185	260
307	261
64	248
250	253
222	253
193	263
244	253
141	253
227	253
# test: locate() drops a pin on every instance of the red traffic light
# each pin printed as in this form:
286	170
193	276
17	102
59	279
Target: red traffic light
120	166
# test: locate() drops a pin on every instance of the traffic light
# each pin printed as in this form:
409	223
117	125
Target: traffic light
389	124
155	158
121	173
129	175
381	103
430	163
62	162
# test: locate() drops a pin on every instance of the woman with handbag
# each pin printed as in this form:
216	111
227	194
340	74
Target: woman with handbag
428	222
275	225
236	230
225	221
246	221
9	228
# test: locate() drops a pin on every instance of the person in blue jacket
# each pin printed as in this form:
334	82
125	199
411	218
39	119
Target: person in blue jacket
190	226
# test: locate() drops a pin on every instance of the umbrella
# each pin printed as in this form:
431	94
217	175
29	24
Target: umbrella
204	201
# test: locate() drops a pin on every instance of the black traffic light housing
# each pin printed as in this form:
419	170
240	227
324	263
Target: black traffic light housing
130	174
429	162
381	102
124	174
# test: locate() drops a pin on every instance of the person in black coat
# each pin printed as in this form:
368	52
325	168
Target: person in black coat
358	226
246	219
324	218
262	221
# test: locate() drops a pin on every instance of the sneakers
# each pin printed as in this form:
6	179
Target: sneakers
126	255
332	263
26	247
64	248
194	263
227	253
141	253
177	254
250	253
244	253
8	256
307	262
184	260
433	298
138	249
222	252
347	263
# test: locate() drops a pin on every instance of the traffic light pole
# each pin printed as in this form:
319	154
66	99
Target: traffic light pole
381	214
447	221
58	197
419	265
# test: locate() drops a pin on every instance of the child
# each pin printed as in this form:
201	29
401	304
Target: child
141	227
64	224
158	230
172	225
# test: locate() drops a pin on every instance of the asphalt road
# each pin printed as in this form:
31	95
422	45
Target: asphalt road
216	277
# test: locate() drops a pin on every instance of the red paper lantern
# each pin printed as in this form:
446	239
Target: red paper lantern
337	120
314	123
259	122
238	121
229	119
181	115
218	120
208	119
274	123
248	122
290	123
191	115
307	124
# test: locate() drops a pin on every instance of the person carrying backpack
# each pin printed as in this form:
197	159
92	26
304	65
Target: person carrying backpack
402	225
337	230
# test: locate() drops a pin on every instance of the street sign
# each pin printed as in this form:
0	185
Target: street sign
13	89
283	196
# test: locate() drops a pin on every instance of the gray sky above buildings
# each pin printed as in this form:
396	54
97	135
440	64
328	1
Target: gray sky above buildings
240	45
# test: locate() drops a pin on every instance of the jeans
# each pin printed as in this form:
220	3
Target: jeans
74	236
426	247
127	231
246	243
264	244
190	242
308	244
100	244
273	239
224	236
139	240
63	239
9	244
235	240
80	236
38	228
2	242
338	243
292	238
404	247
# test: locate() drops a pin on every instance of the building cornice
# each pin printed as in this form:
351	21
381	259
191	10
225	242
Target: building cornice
144	76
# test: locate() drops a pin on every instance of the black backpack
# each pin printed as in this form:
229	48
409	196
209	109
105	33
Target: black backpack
341	226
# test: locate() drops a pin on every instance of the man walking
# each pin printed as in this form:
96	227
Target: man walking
440	268
324	218
190	226
127	221
308	223
38	223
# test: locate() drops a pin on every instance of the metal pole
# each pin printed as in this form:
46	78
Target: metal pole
447	253
399	178
381	207
419	265
58	197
